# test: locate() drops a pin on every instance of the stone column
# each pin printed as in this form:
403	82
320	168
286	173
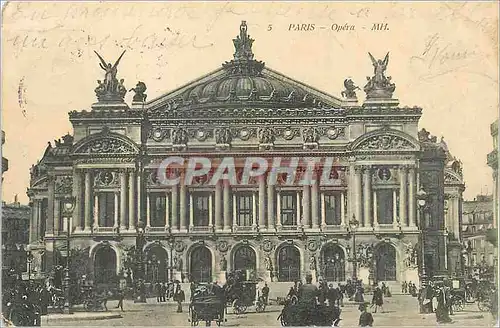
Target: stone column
167	211
357	195
210	211
278	210
139	197
88	201
175	208
314	205
342	209
227	206
33	221
367	192
254	210
375	213
402	196
262	202
183	205
57	217
218	206
115	224
96	210
123	201
323	211
131	201
77	193
49	230
306	206
394	208
233	208
412	195
148	210
271	215
298	210
191	212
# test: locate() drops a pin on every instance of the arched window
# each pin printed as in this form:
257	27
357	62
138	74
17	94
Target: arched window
104	265
156	264
289	264
333	263
385	257
201	265
244	258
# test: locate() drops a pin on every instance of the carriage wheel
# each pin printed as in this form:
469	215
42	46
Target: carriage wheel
458	305
483	305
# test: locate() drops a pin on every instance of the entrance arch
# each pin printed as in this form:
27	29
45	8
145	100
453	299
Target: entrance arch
244	258
201	264
288	264
385	268
104	265
333	258
156	264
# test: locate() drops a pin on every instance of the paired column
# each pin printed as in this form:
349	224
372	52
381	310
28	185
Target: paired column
131	201
254	210
116	218
77	193
262	202
357	194
375	212
139	197
271	214
306	203
33	224
167	211
88	202
342	209
148	210
218	206
49	230
314	204
59	225
412	195
278	210
395	209
123	200
175	208
367	192
191	212
96	211
210	216
323	211
227	206
182	204
298	223
402	195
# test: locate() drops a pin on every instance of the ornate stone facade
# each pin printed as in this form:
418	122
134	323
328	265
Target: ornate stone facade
199	231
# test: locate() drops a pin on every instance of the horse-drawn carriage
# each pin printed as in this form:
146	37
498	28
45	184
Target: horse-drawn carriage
242	293
208	303
298	314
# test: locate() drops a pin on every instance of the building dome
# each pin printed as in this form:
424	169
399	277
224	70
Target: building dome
245	81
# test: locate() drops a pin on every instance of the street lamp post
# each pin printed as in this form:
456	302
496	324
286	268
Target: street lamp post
468	250
29	259
140	296
353	226
68	207
422	199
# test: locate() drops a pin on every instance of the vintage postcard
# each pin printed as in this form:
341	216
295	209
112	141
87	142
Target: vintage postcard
249	163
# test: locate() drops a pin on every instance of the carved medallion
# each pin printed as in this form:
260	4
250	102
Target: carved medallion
179	246
105	178
200	135
312	245
288	134
333	133
223	246
244	134
384	174
267	245
158	134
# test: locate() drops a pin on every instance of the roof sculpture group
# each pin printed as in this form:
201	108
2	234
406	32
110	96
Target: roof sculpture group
379	86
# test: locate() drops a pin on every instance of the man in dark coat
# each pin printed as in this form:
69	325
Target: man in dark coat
265	293
378	299
179	297
365	318
121	296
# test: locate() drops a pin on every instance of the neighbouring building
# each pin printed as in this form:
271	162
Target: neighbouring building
15	238
279	232
477	220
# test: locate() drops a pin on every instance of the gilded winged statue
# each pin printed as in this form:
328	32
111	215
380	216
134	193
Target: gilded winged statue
110	81
379	68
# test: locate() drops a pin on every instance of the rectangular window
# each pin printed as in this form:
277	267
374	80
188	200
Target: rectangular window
288	209
106	209
157	209
200	209
244	209
385	207
332	209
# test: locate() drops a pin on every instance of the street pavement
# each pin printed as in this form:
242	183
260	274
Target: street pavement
400	311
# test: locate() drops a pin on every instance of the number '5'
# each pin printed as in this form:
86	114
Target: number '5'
270	27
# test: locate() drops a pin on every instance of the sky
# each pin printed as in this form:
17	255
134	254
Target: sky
443	58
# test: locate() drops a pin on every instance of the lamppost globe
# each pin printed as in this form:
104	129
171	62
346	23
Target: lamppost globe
68	206
421	196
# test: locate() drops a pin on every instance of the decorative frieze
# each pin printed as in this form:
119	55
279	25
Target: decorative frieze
64	185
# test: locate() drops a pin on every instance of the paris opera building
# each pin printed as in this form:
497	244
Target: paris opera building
390	182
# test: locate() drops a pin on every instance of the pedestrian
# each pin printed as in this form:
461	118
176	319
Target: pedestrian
365	318
378	299
163	291
442	315
158	292
179	297
104	297
265	293
403	287
121	296
358	296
